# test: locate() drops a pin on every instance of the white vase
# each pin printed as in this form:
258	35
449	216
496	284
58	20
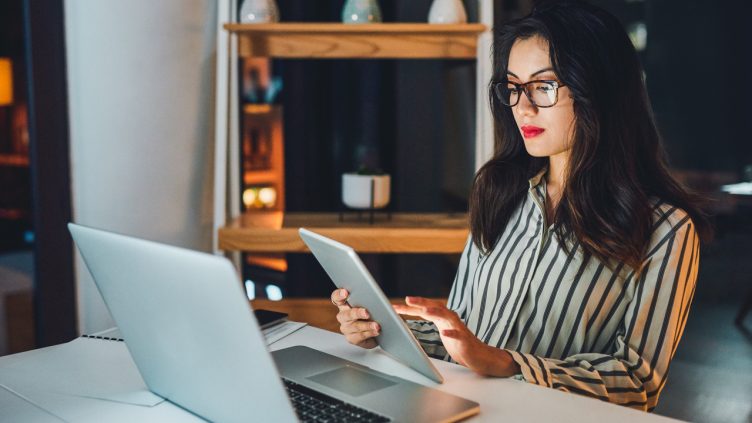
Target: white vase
259	11
365	191
447	12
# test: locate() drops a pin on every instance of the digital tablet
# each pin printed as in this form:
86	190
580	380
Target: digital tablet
343	265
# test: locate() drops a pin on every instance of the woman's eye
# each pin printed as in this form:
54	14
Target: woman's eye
545	88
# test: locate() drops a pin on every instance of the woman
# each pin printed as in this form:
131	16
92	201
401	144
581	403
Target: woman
584	251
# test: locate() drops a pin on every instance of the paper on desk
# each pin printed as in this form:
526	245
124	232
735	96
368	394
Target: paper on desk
84	367
277	332
22	408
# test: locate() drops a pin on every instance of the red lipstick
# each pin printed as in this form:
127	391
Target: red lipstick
530	131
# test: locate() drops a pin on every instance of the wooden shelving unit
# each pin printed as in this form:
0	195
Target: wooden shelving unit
276	232
18	160
362	41
403	233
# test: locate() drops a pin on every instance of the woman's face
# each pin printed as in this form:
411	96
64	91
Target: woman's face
546	131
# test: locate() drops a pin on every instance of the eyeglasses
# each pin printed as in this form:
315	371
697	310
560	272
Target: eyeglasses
540	93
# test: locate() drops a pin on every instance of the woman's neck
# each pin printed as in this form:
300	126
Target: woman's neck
557	166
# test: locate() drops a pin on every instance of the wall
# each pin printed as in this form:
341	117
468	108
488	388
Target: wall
140	86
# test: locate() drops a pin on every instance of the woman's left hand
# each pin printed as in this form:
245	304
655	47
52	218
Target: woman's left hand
461	344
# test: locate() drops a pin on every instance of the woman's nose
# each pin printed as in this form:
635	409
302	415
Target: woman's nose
525	107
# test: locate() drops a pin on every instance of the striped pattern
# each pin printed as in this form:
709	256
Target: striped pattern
568	320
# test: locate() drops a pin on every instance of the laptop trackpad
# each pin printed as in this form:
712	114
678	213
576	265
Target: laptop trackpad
351	381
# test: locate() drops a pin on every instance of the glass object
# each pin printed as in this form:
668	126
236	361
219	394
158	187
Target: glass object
447	12
540	93
259	11
361	11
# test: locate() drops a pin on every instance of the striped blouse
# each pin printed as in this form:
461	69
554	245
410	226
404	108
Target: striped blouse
569	321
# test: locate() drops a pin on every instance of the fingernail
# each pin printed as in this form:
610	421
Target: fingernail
375	326
342	294
365	314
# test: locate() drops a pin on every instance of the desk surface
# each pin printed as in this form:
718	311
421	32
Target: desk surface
28	387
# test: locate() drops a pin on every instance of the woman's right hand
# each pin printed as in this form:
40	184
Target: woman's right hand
355	323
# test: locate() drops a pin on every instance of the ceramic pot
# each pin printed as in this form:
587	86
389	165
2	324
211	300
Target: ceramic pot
447	12
361	11
259	11
358	191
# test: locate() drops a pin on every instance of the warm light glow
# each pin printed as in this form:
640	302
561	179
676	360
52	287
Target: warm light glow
268	196
6	81
249	197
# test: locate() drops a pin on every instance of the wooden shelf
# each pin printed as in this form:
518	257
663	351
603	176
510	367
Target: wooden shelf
317	312
18	160
362	41
275	232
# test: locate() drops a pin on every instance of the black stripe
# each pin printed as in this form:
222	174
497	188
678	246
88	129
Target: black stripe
577	363
453	300
589	380
426	332
502	278
551	300
513	277
613	373
565	309
520	294
580	391
656	294
666	237
478	321
601	360
581	311
663	217
527	363
616	305
602	301
431	342
670	306
685	305
622	389
635	308
543	369
538	294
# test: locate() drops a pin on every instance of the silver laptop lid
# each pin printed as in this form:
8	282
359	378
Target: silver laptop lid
188	325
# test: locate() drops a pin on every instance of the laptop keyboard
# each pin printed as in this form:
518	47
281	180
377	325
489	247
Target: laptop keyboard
313	406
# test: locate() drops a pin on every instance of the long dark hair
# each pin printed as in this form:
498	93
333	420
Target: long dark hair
617	161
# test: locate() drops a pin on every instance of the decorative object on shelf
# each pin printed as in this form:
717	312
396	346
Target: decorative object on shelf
447	12
6	81
361	11
259	11
366	190
6	99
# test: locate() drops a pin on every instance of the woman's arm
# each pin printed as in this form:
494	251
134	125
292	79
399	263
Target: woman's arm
634	372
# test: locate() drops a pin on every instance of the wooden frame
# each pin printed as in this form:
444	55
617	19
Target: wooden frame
363	41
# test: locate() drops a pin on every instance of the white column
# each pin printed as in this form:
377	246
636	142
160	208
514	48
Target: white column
141	99
484	127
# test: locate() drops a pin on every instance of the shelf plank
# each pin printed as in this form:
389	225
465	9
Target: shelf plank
18	160
317	312
361	41
275	232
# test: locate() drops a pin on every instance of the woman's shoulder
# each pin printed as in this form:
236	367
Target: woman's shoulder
668	219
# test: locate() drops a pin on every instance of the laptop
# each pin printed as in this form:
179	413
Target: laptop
347	271
191	332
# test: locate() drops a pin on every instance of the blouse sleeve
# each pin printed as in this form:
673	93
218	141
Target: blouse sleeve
634	372
426	332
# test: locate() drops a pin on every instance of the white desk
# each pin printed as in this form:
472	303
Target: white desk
60	383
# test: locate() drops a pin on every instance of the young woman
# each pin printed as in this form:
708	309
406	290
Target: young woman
584	251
